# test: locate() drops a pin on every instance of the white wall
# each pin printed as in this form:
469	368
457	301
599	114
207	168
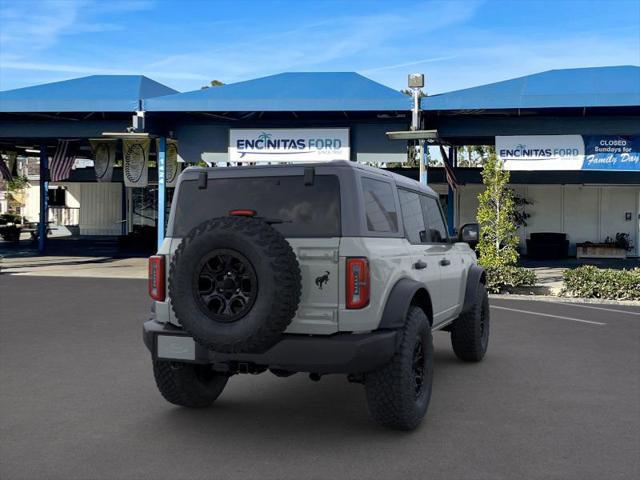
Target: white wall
583	212
73	195
100	208
581	215
32	202
614	203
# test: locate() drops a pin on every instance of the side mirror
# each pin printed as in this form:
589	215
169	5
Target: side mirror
469	233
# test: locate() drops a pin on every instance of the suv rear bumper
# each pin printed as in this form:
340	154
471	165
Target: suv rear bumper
339	353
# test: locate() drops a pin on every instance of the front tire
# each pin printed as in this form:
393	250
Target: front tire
470	331
187	384
398	394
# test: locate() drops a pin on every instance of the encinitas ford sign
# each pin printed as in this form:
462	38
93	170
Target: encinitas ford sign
569	152
289	145
541	152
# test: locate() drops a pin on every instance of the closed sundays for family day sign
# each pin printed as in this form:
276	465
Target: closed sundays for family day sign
569	152
288	144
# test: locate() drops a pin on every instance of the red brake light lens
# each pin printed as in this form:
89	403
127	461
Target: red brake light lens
358	286
242	212
156	277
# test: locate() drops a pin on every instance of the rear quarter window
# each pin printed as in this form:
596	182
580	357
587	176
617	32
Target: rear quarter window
380	206
304	210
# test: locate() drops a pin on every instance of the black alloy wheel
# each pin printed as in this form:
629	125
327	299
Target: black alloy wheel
226	285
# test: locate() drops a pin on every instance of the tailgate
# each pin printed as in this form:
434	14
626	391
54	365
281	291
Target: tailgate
318	309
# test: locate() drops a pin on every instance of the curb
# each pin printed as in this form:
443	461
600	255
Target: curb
534	290
555	299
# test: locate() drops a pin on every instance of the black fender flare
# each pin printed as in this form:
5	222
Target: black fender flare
475	276
398	303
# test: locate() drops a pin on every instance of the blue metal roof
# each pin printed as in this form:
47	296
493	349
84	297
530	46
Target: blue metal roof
96	93
307	91
577	87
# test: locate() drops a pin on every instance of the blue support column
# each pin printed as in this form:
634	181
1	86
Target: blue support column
162	189
44	199
453	159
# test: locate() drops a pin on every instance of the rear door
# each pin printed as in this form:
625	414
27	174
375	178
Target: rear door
451	266
425	257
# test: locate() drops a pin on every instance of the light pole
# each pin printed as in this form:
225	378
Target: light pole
416	83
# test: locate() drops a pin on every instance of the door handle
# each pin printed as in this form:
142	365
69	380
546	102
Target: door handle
444	262
419	265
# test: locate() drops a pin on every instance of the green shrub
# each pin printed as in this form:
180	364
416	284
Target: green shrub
501	277
592	282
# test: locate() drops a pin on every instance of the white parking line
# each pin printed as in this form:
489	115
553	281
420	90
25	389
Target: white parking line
571	304
547	315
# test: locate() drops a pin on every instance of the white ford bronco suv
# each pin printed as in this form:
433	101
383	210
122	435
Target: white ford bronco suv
319	268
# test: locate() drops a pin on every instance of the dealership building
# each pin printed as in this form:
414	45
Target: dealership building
570	137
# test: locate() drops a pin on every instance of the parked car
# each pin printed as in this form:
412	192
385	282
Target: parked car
10	227
326	268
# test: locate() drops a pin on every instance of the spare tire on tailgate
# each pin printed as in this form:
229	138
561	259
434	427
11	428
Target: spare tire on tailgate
235	284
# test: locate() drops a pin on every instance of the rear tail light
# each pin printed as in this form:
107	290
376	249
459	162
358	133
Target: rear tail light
156	277
358	287
242	212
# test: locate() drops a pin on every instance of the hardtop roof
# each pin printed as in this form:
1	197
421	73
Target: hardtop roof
298	169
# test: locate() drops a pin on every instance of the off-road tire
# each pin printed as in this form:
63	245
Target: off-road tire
277	275
470	331
391	392
188	384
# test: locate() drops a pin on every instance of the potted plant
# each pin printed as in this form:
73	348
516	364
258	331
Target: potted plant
617	247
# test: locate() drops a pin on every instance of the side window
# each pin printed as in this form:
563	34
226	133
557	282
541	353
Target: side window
380	206
436	229
412	216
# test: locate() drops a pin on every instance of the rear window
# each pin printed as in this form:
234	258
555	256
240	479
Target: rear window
305	210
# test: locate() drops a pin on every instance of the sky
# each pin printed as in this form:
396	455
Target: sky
185	44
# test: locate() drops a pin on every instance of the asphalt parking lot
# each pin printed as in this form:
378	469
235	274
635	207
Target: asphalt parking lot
558	396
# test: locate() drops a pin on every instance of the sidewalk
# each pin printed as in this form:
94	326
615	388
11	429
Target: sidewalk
60	266
549	272
549	279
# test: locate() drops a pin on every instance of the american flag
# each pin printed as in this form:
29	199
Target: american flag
4	170
62	161
448	170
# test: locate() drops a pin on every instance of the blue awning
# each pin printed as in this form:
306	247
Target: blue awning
577	87
288	92
96	93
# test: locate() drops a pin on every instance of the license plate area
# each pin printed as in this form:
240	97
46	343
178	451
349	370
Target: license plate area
174	347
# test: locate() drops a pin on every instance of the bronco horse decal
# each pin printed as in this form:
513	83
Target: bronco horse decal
322	279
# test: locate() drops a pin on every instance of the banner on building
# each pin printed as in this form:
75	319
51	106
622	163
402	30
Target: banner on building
611	152
135	154
289	145
104	157
8	164
172	166
541	152
569	152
